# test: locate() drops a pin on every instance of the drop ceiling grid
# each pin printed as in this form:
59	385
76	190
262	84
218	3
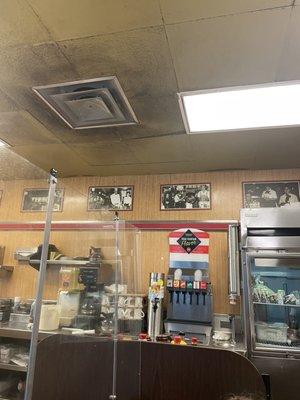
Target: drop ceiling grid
19	25
139	53
288	67
105	154
178	11
228	51
76	18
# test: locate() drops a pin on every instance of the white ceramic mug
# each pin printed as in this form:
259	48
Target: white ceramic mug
105	301
138	302
122	289
126	313
138	314
122	301
130	301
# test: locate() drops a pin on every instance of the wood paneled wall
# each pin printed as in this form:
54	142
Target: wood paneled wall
226	203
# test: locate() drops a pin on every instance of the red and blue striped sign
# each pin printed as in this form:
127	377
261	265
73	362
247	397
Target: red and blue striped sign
189	248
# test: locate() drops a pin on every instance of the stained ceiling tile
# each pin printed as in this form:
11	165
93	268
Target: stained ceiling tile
20	25
13	166
157	116
229	50
6	104
34	65
161	149
147	169
92	137
140	59
40	111
267	148
77	18
20	128
290	58
58	156
105	154
189	10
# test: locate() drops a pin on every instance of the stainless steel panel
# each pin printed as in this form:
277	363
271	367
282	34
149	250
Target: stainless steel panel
269	218
284	376
203	332
273	242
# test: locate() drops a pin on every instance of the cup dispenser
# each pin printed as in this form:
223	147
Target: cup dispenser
155	299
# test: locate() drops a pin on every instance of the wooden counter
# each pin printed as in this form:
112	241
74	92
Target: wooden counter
70	367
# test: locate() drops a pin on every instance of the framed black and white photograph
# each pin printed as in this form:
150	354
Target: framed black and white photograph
190	196
271	194
36	200
110	198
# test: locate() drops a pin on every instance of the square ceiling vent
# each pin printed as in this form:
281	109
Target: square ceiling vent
90	103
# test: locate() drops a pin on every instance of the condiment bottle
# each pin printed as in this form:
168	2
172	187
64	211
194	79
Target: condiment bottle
178	340
143	336
194	341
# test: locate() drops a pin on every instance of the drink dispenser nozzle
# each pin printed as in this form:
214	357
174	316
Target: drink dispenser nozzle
204	288
196	285
183	290
170	289
177	280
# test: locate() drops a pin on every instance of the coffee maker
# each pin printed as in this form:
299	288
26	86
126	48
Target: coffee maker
89	310
89	277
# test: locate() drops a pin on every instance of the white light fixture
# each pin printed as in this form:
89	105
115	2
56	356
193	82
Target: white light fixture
241	108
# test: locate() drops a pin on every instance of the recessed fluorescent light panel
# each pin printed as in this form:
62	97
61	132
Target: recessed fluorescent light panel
241	108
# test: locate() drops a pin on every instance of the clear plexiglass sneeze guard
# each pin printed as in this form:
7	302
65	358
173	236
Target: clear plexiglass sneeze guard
85	282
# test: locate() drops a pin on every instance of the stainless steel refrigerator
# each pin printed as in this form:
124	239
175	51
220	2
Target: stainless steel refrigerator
270	249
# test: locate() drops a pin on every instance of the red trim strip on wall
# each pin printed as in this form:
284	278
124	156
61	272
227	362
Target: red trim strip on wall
94	225
169	226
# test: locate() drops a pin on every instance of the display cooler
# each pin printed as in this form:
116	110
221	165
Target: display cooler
79	280
270	240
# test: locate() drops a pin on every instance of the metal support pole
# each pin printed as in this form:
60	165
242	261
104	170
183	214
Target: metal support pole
233	262
113	396
40	287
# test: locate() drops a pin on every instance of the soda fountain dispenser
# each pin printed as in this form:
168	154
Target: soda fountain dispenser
190	296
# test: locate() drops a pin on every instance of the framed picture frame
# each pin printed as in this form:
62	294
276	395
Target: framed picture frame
35	200
266	194
110	198
185	196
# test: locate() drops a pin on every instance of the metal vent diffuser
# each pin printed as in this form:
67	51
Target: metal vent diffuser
90	103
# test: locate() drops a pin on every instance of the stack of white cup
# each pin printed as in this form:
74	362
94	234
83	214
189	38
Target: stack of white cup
130	306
